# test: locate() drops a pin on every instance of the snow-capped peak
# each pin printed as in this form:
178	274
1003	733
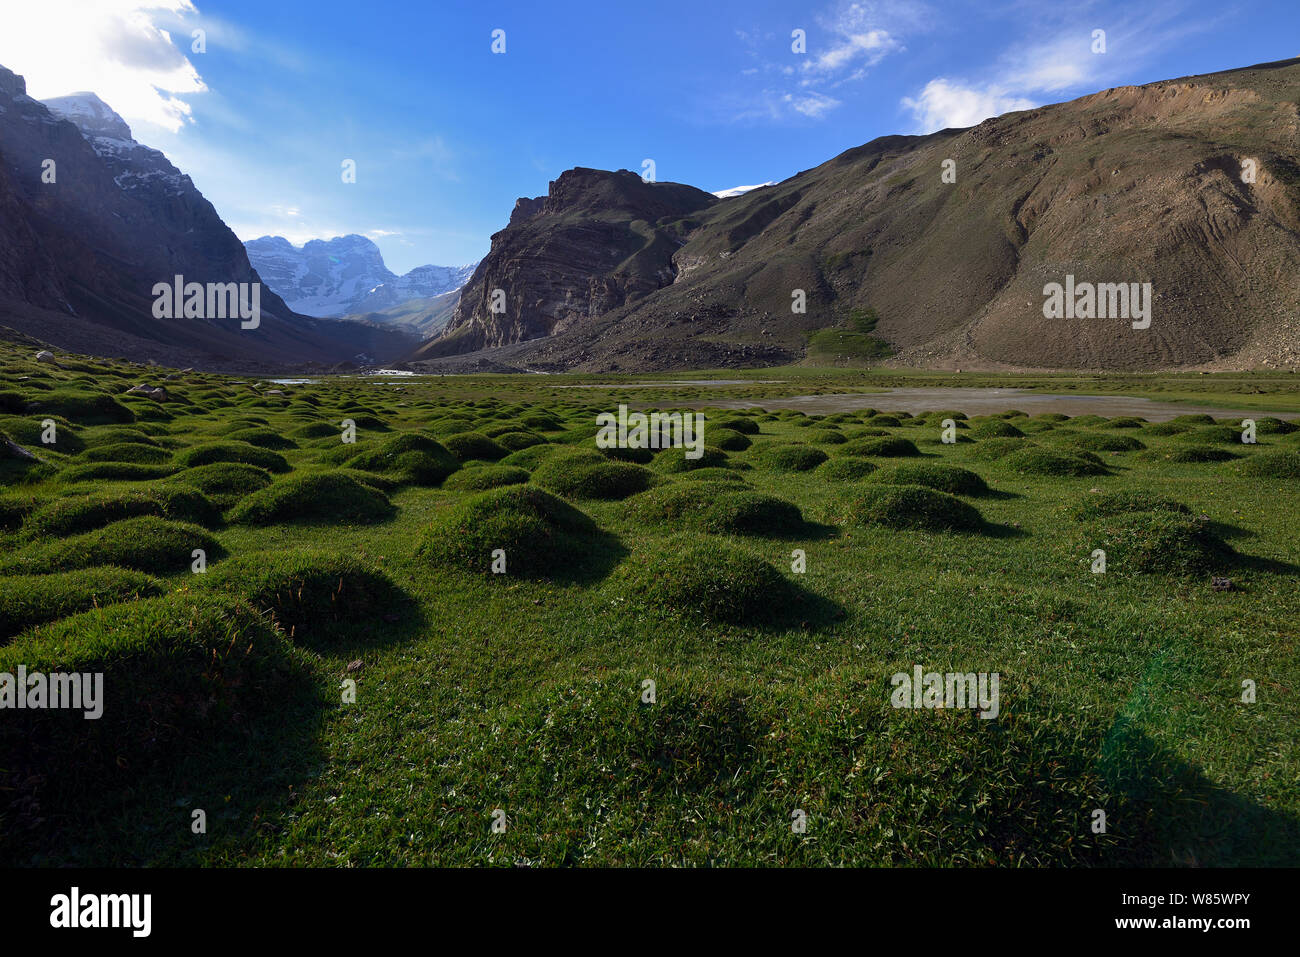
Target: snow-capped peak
344	275
91	115
739	190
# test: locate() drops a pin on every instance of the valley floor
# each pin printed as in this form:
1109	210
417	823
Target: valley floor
685	661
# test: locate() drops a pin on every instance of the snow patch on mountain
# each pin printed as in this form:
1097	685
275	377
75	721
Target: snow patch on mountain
344	275
740	190
135	166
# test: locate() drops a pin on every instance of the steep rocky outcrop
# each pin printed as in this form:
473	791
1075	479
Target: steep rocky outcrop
1191	185
596	241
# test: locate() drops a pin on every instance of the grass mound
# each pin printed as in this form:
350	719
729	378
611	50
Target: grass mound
1165	428
891	447
180	673
486	477
316	430
148	544
475	445
712	475
28	600
577	476
530	457
410	458
84	408
845	469
263	438
742	425
74	514
14	510
992	450
1100	442
1157	542
115	472
1041	461
942	478
826	437
716	507
729	440
789	458
591	743
996	429
225	483
709	581
212	452
1106	504
126	452
515	440
1271	425
539	533
315	597
1211	435
314	498
1199	453
674	460
1272	464
910	507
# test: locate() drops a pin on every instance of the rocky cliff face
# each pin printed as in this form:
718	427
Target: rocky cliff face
596	241
92	220
1191	185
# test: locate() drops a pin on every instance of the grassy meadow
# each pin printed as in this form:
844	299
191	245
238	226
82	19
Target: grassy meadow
346	681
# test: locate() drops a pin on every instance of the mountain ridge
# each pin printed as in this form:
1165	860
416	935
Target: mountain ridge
344	275
955	271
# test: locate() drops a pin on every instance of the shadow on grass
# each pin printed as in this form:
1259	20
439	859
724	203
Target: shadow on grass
1258	563
1001	530
1170	814
1052	774
241	777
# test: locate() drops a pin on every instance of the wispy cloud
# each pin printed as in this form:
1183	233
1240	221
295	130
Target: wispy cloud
1035	71
943	103
842	43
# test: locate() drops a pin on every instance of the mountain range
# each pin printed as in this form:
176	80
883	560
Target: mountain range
933	251
936	250
91	221
345	275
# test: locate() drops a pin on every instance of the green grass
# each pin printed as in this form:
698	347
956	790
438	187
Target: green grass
769	607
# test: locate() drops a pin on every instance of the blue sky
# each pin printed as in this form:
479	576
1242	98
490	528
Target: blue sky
446	134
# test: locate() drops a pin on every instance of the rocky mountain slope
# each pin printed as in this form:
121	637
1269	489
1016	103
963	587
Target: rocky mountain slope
1191	185
345	275
91	220
596	241
424	317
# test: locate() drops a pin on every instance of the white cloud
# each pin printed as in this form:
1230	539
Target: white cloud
811	104
870	47
113	48
844	42
1031	73
944	103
